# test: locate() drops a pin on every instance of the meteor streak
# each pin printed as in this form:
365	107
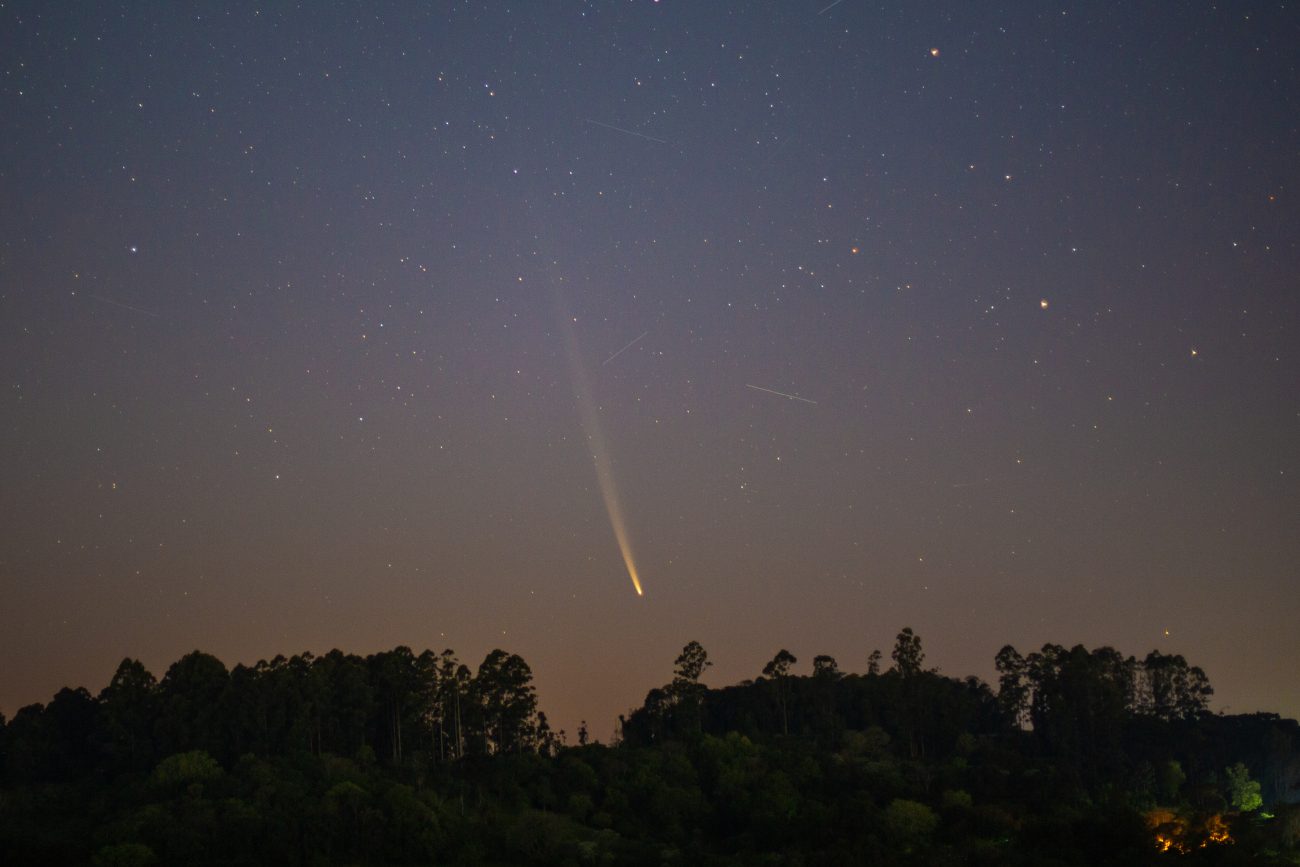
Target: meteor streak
780	393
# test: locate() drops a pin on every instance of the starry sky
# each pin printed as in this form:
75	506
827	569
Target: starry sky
360	324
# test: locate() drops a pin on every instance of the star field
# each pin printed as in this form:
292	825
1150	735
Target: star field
978	319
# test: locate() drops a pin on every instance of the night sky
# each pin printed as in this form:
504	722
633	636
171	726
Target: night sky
355	325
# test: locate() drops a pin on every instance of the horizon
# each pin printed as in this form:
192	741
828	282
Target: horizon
801	668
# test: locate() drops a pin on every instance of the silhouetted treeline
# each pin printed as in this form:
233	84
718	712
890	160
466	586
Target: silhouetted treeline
1077	757
395	704
1096	714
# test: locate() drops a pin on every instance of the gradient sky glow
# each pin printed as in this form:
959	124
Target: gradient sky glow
284	366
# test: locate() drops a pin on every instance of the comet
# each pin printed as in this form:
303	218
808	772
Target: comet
596	437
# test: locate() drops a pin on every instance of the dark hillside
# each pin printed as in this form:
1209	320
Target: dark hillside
1078	757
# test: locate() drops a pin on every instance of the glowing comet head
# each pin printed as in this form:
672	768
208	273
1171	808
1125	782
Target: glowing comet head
614	508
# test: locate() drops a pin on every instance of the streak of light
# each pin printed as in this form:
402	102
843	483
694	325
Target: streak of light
830	7
596	438
624	349
120	304
780	393
627	131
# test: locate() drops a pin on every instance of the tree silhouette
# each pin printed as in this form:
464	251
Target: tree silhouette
907	654
504	687
396	680
1080	702
192	714
1171	689
901	768
686	687
341	700
1013	688
129	703
779	671
825	666
690	663
453	678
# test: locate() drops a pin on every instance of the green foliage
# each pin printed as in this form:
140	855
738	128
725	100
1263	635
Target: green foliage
871	743
125	855
184	769
910	821
1171	781
1243	792
956	799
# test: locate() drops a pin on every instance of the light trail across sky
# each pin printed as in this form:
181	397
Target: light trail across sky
595	432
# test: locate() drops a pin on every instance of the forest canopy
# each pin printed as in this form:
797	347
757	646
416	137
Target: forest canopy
406	758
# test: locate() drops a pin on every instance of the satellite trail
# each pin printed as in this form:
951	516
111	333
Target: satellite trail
624	349
103	300
780	393
627	131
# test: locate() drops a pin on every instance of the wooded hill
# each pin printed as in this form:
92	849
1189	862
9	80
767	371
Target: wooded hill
1075	756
